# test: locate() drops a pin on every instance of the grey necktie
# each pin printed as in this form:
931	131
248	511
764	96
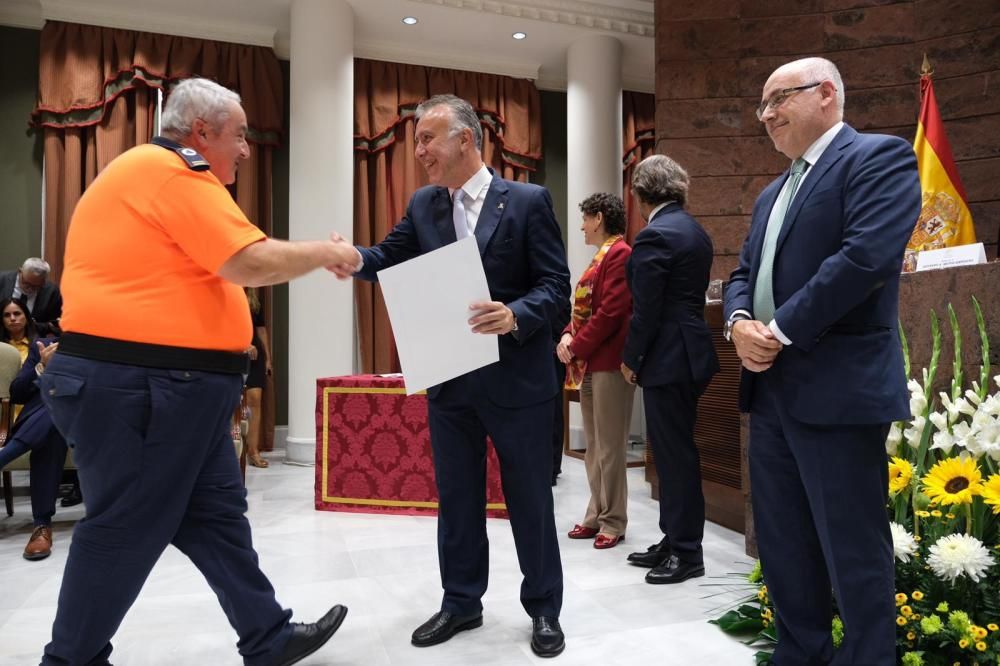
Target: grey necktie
763	292
458	214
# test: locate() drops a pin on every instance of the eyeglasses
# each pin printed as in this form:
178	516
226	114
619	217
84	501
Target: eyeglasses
780	97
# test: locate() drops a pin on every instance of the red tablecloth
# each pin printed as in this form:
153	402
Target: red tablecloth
373	450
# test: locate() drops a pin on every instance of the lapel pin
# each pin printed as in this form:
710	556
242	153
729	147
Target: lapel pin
500	206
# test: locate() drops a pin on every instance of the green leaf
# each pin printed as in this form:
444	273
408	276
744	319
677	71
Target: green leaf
957	377
734	622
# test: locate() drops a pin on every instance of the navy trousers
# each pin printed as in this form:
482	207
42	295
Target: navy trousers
157	467
48	457
460	419
819	495
670	415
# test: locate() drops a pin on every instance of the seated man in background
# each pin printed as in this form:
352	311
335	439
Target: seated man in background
30	284
33	431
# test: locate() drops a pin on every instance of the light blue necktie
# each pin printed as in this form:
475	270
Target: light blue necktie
458	214
763	292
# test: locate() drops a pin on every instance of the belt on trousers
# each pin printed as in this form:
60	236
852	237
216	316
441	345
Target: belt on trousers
149	355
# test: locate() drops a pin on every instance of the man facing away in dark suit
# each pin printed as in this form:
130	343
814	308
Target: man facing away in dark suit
512	400
30	283
812	310
669	353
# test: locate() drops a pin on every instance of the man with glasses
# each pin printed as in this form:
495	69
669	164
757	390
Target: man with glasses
812	311
30	283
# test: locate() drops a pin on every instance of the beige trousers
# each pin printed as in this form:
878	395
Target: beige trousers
606	403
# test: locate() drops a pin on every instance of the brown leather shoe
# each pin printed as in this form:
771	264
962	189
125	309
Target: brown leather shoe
40	544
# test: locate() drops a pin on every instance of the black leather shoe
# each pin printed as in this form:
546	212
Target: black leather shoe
675	571
654	556
73	497
442	626
547	639
307	638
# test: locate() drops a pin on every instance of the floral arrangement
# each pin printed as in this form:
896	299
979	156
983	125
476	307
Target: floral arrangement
944	508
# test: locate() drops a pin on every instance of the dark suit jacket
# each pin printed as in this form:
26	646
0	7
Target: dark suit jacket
601	339
48	302
836	281
33	423
525	264
668	340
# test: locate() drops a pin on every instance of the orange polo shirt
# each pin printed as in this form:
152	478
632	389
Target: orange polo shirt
144	247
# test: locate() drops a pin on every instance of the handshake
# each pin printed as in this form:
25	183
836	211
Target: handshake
345	260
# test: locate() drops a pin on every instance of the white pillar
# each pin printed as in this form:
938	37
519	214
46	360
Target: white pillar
321	194
593	133
593	149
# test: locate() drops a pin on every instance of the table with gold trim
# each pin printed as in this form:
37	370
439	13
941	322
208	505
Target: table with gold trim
373	452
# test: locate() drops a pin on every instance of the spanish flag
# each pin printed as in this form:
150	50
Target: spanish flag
944	220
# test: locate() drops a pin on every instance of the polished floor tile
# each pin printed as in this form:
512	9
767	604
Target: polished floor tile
384	568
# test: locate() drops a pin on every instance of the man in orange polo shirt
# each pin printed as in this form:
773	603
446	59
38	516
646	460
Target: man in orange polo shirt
149	371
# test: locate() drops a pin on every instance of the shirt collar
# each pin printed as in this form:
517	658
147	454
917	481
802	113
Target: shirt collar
656	210
815	151
475	186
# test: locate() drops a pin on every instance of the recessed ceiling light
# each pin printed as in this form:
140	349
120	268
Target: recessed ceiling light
519	35
410	20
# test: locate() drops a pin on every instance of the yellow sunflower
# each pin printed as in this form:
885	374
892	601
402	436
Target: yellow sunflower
953	481
991	492
900	475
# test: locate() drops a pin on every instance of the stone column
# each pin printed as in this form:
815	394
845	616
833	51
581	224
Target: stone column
593	133
593	150
321	328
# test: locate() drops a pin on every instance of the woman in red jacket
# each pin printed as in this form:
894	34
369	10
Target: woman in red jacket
591	348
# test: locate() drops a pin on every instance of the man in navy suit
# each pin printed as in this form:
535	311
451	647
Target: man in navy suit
512	400
669	353
30	283
33	431
812	310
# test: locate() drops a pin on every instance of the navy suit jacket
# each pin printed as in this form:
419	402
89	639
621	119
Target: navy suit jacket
48	302
33	423
668	340
836	281
525	264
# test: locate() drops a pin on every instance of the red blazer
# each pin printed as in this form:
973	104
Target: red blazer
602	338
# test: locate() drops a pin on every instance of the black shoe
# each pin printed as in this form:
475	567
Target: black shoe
307	638
675	571
547	639
442	626
73	497
654	556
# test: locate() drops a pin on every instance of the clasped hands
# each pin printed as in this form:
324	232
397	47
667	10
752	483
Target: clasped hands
755	343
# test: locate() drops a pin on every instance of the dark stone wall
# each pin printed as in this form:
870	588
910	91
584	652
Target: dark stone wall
713	56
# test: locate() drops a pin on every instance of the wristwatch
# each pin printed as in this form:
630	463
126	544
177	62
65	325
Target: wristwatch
513	329
727	330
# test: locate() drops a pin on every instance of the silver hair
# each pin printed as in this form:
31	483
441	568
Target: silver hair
462	115
36	266
658	179
196	98
821	69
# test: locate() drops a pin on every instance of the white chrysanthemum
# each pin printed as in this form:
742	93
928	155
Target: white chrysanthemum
904	545
957	554
894	438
